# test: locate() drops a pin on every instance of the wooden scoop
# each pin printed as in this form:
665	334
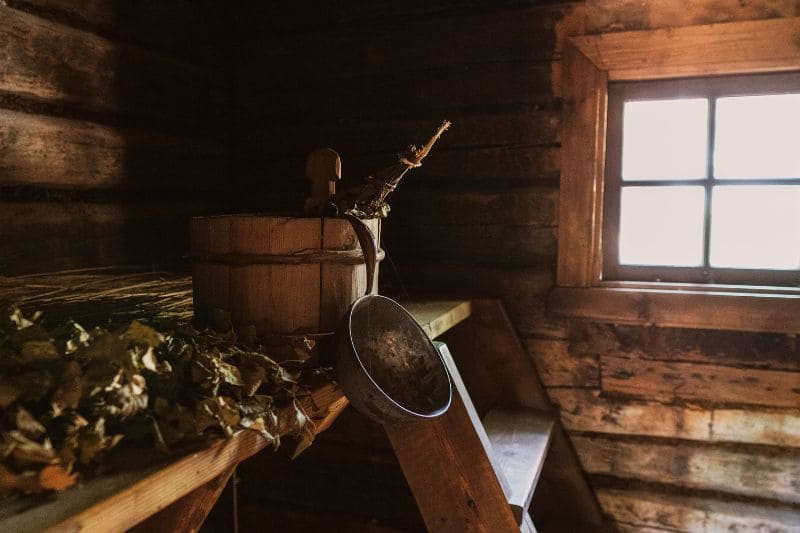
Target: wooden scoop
323	170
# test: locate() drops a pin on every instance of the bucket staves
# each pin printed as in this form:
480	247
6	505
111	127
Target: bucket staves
283	275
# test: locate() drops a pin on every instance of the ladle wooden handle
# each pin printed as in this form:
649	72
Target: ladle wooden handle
323	170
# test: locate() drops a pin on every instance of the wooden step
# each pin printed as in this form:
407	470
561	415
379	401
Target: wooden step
460	389
519	440
449	469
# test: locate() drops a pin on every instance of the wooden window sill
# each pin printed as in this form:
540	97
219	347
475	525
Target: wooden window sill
689	306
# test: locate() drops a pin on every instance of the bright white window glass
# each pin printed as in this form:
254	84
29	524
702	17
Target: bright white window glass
755	227
758	137
665	139
661	226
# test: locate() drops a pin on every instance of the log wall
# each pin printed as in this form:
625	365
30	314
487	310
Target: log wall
112	130
678	430
117	122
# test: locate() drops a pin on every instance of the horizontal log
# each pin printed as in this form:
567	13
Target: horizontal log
781	428
375	96
51	63
519	285
757	350
745	472
639	509
421	206
42	237
505	126
254	19
665	381
589	411
150	23
62	153
520	163
770	311
499	244
614	15
488	167
412	45
558	366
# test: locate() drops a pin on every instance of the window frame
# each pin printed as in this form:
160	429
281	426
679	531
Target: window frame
589	63
710	88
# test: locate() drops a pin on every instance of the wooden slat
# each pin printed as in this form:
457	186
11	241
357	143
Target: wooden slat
47	62
640	509
558	366
682	309
668	381
582	167
438	316
52	152
744	472
729	48
587	411
519	440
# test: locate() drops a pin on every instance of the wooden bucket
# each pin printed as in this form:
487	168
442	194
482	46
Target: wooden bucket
283	275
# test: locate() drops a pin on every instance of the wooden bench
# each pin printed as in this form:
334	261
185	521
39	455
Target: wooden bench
466	474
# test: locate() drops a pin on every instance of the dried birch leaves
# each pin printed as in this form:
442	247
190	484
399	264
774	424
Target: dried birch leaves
68	396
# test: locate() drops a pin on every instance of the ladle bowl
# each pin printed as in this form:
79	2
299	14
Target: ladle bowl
387	366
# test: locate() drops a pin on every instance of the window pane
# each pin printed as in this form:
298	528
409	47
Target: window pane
665	139
758	137
755	227
661	226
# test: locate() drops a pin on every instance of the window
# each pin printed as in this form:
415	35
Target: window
702	279
702	180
